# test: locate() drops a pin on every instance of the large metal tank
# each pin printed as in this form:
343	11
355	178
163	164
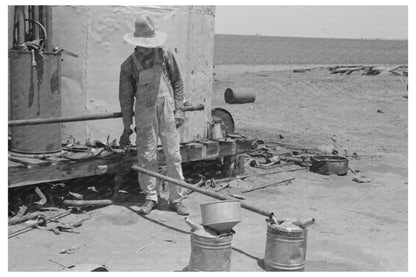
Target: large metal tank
35	92
90	83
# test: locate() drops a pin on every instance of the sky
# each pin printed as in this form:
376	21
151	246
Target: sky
369	22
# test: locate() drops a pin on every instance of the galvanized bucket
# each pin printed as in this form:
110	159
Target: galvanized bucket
210	254
285	248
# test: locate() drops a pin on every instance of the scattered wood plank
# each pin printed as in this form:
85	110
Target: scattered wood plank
56	159
368	70
238	196
17	220
33	162
222	187
347	70
14	164
292	147
287	181
261	174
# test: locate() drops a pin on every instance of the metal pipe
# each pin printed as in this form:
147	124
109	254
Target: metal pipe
14	221
37	121
87	203
33	226
202	191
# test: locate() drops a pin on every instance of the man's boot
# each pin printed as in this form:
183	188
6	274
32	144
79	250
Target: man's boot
147	207
179	208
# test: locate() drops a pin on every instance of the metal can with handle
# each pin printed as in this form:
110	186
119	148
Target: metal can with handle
285	248
210	254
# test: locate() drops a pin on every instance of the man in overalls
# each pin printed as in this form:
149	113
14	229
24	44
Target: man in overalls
151	75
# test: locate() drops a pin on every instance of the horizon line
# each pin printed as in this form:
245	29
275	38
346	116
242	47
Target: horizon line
259	35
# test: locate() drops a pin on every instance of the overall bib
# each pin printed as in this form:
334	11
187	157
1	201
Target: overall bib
154	117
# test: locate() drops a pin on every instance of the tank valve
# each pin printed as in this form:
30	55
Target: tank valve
34	64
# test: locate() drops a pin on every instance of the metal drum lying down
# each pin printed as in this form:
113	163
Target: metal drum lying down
241	97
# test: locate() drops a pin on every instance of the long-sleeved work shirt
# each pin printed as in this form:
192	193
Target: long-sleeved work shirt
129	75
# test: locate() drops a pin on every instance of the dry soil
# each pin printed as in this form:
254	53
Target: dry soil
359	226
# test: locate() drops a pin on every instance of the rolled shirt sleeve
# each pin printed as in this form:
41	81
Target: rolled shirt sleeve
176	80
126	97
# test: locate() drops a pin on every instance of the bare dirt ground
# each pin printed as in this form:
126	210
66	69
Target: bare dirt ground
359	226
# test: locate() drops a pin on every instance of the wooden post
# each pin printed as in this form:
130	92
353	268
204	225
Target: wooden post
229	165
119	179
241	163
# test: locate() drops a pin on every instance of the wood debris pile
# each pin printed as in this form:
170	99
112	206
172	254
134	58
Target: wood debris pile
369	70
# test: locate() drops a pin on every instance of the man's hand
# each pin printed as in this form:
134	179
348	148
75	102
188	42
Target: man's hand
125	138
179	104
179	118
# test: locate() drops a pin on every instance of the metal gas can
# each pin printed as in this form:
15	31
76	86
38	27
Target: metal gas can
285	247
210	254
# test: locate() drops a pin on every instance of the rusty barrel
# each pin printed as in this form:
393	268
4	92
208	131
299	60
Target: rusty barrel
35	92
241	97
210	254
285	248
328	165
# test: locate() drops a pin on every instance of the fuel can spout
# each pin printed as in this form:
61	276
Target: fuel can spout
304	223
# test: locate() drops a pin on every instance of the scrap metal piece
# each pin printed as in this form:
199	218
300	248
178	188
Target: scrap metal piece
42	196
38	223
76	195
71	250
20	219
82	267
87	267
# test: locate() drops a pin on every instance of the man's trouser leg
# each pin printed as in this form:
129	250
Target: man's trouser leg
169	137
146	152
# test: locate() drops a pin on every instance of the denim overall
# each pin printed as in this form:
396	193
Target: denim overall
154	117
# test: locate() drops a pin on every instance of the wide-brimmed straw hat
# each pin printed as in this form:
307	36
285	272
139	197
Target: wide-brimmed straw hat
144	34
